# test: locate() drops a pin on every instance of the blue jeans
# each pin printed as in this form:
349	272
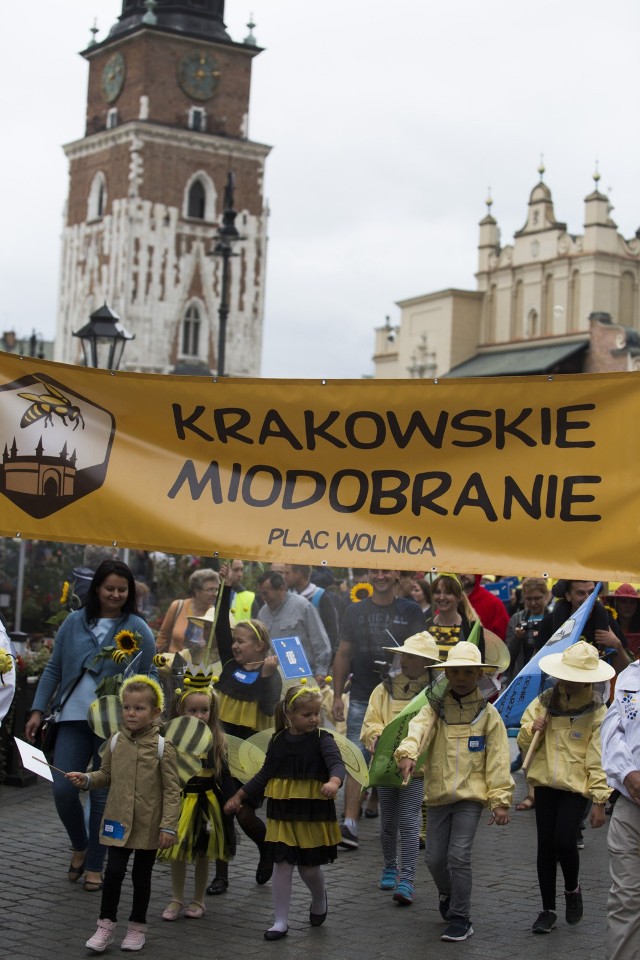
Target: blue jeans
77	746
355	716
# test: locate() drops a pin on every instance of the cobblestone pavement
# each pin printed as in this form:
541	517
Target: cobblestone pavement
44	917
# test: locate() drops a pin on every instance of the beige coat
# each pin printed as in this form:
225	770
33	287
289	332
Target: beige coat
568	756
467	758
144	791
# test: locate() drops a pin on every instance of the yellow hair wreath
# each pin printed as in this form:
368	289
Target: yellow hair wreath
143	678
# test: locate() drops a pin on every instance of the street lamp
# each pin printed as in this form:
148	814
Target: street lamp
226	236
103	339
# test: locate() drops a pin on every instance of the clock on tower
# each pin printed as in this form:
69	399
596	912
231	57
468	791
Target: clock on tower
167	114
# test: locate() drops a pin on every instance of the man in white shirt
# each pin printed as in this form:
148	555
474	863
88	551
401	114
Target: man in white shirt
620	735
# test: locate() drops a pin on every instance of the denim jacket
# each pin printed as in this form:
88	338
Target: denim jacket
75	649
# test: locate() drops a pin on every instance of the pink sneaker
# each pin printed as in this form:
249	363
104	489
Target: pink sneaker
103	937
135	938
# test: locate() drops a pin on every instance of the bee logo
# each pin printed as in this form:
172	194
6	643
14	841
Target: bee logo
45	405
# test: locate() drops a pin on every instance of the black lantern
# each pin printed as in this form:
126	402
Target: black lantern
103	339
225	238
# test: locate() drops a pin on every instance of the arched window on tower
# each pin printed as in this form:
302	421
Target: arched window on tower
97	201
199	202
191	331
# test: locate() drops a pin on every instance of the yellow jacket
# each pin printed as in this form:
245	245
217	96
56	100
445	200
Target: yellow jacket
467	753
568	756
385	704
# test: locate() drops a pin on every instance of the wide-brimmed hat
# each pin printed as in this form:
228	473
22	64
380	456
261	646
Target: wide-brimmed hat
419	645
625	590
579	663
466	654
206	619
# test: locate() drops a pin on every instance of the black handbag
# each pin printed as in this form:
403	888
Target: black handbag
48	729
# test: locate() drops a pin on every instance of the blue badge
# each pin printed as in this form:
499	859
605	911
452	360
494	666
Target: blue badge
476	744
113	829
246	676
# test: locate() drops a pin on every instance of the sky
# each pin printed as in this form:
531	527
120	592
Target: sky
389	122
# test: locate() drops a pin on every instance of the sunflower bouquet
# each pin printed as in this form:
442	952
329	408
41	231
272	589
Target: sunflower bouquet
125	647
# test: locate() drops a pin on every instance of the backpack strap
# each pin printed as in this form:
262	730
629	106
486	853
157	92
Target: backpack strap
114	740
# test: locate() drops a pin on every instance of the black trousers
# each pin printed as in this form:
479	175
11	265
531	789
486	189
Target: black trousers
117	860
558	816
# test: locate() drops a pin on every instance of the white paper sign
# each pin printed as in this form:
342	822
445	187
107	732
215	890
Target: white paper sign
33	759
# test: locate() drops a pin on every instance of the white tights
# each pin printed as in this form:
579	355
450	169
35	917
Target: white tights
281	882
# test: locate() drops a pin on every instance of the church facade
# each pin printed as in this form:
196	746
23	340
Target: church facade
167	122
549	302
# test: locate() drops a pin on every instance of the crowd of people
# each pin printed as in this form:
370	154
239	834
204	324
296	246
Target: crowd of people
399	636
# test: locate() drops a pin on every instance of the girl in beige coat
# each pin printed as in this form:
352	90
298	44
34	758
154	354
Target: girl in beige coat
566	770
142	811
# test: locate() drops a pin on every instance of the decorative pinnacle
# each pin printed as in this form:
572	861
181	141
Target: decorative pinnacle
541	167
596	175
93	31
250	39
150	16
489	200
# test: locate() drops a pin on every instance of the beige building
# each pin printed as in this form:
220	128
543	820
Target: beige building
550	301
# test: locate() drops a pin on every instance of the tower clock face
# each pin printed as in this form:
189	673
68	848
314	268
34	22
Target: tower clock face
198	75
113	77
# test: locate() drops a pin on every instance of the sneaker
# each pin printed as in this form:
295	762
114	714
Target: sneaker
545	922
388	878
459	928
404	893
349	840
573	912
443	906
135	938
580	842
103	937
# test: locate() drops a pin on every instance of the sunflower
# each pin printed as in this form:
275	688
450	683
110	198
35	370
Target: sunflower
127	642
64	595
360	591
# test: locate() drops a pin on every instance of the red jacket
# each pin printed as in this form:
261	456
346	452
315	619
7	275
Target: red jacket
492	612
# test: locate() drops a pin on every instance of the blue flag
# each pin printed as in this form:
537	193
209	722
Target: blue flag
524	688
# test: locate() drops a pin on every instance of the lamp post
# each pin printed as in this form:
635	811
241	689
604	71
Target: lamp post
225	238
103	339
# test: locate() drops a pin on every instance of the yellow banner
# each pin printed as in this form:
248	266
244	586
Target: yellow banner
527	475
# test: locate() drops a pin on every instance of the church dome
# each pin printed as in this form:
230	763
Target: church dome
195	18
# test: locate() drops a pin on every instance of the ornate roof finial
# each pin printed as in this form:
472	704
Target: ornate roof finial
596	176
541	167
93	31
250	39
489	201
150	16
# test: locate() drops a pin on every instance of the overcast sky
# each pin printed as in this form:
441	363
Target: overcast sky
389	120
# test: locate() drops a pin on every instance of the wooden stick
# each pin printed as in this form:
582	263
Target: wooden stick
215	620
48	765
526	763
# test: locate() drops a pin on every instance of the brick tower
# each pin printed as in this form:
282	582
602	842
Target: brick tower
167	120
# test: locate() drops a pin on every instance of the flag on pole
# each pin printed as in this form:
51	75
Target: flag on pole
528	684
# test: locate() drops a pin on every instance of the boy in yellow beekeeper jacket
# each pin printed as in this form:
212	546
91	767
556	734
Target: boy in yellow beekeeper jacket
467	767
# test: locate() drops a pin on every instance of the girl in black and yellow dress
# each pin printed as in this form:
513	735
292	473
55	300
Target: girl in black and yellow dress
301	775
204	833
248	690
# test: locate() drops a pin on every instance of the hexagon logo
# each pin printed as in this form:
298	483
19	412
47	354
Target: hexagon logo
57	444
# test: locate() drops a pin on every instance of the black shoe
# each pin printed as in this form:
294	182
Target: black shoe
459	928
349	840
275	934
317	919
443	905
580	840
217	886
545	922
264	869
573	912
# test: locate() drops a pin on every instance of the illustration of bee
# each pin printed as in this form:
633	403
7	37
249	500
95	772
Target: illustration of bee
45	405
